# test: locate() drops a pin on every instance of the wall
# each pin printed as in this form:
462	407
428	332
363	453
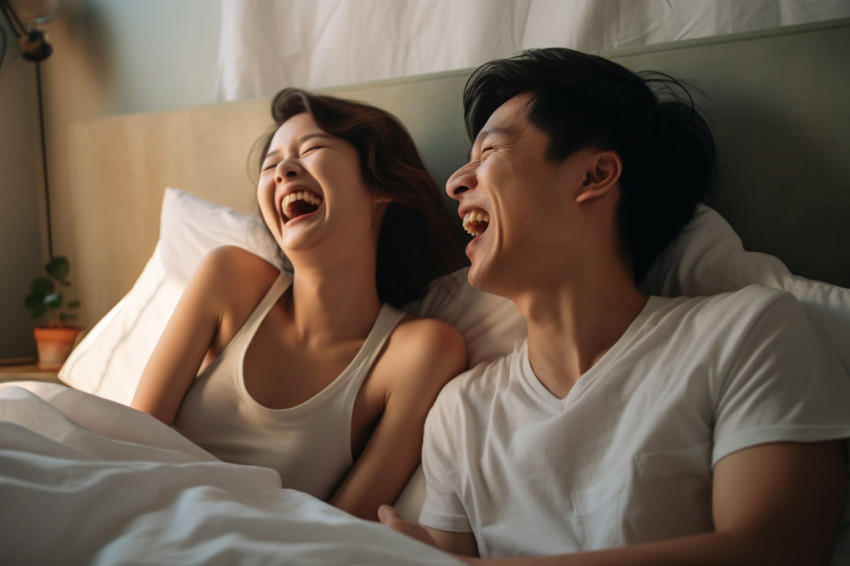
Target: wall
109	56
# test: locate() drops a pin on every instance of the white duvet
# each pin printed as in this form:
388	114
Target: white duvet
84	480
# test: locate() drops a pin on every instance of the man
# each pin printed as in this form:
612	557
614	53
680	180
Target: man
627	429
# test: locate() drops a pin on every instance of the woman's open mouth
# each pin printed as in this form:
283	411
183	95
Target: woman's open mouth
299	203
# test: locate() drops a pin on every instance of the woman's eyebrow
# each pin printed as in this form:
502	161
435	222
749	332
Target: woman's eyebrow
317	135
302	140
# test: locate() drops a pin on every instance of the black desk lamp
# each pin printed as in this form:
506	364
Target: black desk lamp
33	47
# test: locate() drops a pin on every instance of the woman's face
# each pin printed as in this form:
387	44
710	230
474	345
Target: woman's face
311	191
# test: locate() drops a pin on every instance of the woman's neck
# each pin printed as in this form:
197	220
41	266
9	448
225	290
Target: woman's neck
334	303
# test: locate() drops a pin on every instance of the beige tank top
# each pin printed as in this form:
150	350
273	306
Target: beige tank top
310	444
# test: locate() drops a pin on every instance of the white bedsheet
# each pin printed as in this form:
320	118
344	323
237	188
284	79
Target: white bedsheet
84	480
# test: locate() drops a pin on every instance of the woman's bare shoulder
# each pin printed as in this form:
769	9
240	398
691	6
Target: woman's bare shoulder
235	263
228	257
428	348
428	330
230	273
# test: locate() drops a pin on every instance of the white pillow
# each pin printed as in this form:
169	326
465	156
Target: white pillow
490	325
109	360
191	226
708	258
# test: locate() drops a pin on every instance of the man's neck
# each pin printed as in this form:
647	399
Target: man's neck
570	329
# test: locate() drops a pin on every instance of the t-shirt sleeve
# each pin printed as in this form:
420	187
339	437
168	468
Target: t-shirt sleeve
782	384
442	508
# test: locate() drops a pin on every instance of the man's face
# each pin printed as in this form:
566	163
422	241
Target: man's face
514	203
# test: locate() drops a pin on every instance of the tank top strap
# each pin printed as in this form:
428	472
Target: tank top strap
388	318
249	328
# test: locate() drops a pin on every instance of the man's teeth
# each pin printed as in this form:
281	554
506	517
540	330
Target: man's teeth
299	203
475	222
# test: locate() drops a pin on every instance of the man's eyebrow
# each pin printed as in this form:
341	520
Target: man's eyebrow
492	130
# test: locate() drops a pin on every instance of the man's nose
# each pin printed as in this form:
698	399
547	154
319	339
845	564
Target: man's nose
461	181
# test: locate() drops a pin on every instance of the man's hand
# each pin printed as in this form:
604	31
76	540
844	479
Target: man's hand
391	518
462	545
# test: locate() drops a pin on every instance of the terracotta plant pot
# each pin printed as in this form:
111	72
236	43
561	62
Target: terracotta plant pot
54	344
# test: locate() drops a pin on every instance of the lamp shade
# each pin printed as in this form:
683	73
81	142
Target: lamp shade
23	17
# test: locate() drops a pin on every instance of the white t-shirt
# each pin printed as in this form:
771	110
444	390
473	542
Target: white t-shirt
627	456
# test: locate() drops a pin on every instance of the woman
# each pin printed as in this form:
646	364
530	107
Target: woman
316	374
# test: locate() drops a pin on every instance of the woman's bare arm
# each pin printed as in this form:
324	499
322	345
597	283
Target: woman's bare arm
429	354
217	283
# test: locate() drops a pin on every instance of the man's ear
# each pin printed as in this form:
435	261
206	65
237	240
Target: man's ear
603	173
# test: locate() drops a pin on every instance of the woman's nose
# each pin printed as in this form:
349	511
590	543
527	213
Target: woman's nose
287	169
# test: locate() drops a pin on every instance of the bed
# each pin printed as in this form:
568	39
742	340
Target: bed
86	480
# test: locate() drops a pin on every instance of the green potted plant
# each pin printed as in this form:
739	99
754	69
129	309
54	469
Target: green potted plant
55	337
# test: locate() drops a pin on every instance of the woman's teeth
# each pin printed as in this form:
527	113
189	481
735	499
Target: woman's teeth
299	203
475	222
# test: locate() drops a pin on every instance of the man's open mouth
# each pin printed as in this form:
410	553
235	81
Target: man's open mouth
475	222
298	204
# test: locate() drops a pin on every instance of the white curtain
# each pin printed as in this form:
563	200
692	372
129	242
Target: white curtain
269	44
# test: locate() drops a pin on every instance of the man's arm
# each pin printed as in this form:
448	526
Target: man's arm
773	504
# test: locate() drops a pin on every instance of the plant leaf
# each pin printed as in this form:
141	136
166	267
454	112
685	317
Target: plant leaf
38	310
58	268
42	286
34	301
53	300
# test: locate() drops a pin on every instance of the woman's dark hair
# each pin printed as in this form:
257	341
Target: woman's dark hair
415	243
585	101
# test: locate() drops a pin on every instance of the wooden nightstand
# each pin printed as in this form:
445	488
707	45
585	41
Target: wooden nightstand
27	369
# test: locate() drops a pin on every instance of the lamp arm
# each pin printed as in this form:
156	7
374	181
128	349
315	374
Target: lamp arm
12	17
33	48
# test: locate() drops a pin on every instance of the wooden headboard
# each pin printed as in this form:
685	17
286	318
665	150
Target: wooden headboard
777	101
